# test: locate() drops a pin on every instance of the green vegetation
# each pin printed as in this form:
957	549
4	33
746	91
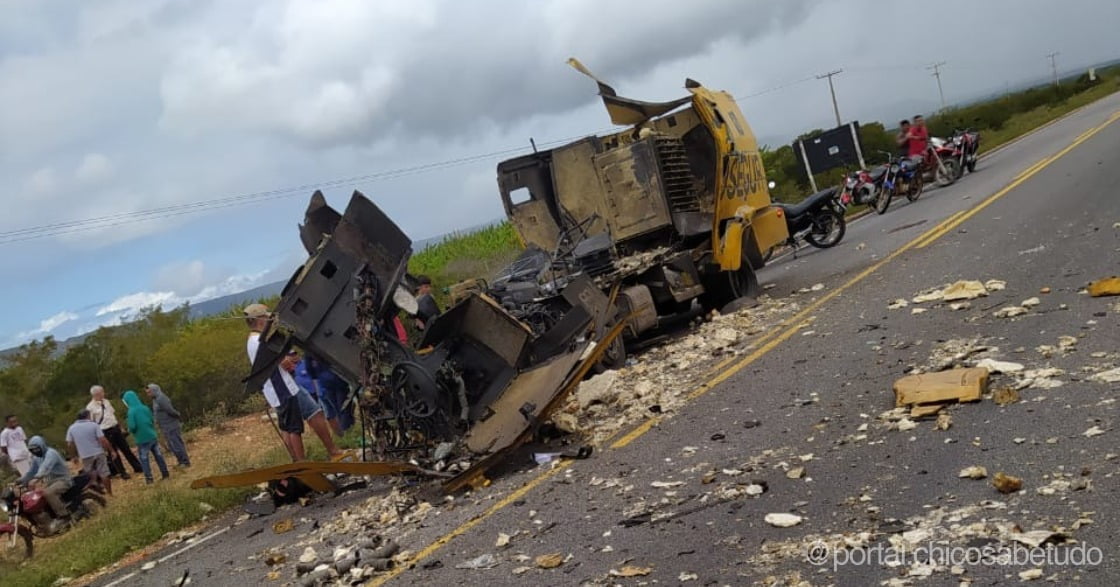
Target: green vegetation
481	253
139	514
998	121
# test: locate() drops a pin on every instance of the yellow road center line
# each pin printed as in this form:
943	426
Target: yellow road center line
1022	178
774	338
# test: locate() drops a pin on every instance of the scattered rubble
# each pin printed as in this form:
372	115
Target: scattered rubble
994	366
1109	286
1110	376
926	394
973	472
1005	483
1005	396
486	561
549	561
1009	312
780	520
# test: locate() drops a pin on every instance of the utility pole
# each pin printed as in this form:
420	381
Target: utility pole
1054	66
936	67
831	90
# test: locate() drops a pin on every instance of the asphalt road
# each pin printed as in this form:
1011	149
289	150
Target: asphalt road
1053	228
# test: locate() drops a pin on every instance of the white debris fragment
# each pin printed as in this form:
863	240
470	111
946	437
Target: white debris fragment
898	304
995	285
503	540
955	306
309	556
1030	302
916	311
598	389
906	424
780	520
1094	431
683	577
1009	312
1110	376
995	366
974	472
666	484
817	287
1030	575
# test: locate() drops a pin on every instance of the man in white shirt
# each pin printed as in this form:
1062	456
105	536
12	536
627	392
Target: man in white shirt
101	411
13	442
293	404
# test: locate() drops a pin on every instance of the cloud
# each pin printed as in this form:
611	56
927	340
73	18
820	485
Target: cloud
95	168
43	182
347	72
48	325
134	302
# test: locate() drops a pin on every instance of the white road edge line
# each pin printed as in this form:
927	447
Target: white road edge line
172	555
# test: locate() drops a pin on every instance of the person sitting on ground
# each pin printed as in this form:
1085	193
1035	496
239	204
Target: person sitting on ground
48	470
89	448
170	423
142	425
292	404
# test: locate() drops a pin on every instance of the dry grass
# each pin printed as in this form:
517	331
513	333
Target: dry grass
139	516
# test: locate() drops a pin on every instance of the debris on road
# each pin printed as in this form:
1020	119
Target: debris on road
1005	483
486	561
1030	575
549	561
631	571
994	366
960	290
780	520
1094	431
1030	302
1110	376
1005	396
1109	286
927	393
898	304
974	472
1009	312
944	421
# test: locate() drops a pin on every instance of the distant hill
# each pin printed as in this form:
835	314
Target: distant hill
225	303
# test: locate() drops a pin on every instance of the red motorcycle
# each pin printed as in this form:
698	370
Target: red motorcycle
942	161
29	515
968	143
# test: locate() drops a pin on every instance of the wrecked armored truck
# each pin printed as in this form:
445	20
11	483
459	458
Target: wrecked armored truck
672	210
475	387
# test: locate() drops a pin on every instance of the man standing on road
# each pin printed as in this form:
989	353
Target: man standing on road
902	140
918	137
101	411
292	404
170	423
13	443
89	446
142	425
48	469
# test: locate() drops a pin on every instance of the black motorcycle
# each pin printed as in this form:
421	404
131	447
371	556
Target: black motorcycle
818	220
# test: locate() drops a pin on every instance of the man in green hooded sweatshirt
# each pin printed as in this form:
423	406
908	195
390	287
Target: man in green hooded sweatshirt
142	426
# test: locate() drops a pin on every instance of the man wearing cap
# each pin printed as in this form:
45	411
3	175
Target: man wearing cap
292	404
101	411
89	446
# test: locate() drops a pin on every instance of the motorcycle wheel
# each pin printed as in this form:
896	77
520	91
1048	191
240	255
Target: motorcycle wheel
883	201
914	190
20	551
948	175
828	229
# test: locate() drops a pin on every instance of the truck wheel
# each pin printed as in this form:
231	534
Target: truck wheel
727	286
613	358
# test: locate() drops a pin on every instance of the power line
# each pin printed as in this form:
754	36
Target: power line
124	218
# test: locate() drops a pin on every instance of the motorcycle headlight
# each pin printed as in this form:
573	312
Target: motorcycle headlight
4	506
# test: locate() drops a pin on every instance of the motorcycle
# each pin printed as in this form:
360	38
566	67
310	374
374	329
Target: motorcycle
968	143
942	162
903	177
818	220
866	187
29	515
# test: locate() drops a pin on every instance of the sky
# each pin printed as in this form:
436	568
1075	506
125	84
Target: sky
110	110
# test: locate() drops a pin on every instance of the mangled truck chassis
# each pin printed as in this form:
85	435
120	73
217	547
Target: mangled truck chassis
478	384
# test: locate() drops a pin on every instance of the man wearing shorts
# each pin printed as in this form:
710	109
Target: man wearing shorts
89	445
292	404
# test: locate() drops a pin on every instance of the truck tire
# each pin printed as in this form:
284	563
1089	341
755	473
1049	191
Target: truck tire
725	287
613	358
